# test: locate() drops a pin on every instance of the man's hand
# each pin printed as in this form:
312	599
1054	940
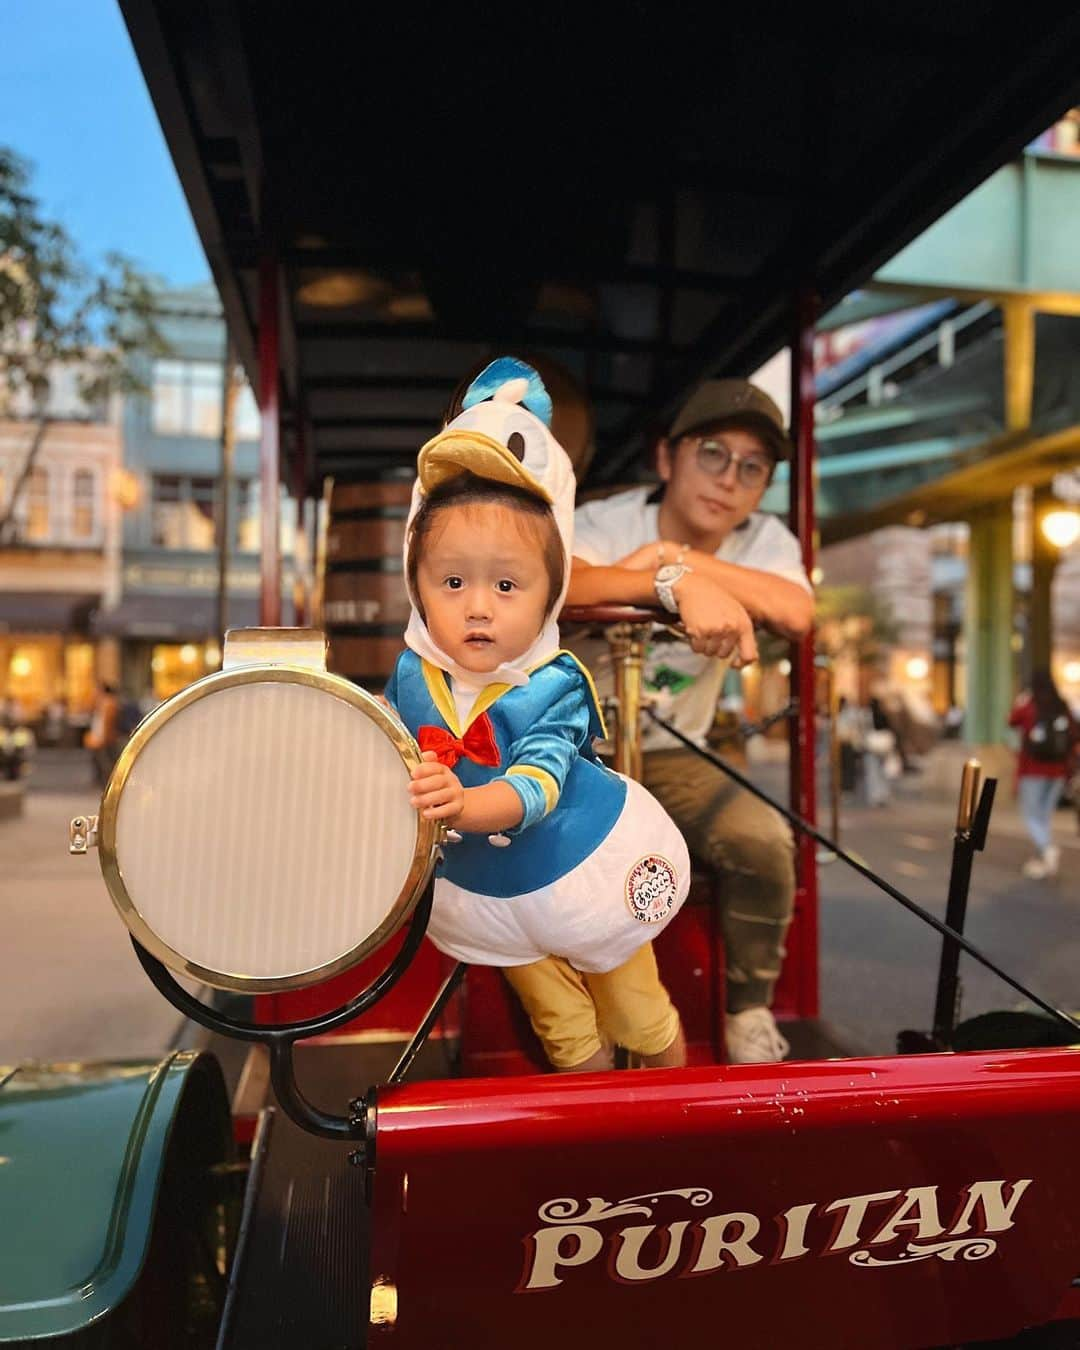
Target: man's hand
435	790
715	623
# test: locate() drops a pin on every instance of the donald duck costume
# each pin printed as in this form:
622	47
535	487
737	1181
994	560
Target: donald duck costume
596	868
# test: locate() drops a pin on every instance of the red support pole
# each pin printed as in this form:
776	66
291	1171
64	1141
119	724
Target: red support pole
803	947
270	444
301	598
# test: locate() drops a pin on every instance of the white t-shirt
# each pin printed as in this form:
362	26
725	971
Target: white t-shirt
607	530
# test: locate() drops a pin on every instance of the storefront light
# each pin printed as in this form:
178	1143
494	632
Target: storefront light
188	654
1072	672
21	666
917	668
784	667
1062	527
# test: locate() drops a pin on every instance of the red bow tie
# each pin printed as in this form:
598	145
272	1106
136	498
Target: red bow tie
478	743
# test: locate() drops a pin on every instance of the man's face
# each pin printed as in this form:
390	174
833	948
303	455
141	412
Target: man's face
704	499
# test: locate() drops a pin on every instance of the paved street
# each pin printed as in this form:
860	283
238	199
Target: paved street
70	986
879	963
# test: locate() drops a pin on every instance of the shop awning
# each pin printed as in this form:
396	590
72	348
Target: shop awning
45	612
171	617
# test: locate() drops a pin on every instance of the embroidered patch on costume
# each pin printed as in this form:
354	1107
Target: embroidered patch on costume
651	889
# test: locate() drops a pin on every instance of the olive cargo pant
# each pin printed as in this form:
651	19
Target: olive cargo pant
749	847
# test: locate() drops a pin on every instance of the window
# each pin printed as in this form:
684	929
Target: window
201	524
249	521
246	416
182	512
187	398
37	505
166	511
247	515
205	395
168	398
82	504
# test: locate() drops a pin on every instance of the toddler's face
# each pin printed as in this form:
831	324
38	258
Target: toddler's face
483	585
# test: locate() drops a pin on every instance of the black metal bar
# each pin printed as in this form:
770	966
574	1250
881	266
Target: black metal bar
360	330
397	381
966	843
297	1107
368	421
260	1147
1057	1013
948	981
614	273
442	998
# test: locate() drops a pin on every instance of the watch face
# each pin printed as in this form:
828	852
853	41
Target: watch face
669	572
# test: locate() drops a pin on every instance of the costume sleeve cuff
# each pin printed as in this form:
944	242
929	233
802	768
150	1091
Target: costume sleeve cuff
538	791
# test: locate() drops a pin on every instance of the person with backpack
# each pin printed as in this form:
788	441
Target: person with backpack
1048	742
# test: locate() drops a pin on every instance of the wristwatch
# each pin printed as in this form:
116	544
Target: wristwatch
665	581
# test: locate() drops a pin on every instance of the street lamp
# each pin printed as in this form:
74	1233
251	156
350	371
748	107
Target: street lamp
1061	527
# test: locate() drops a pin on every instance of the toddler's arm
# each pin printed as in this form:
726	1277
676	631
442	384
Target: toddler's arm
437	793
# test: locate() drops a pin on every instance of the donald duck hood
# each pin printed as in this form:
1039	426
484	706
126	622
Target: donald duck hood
503	435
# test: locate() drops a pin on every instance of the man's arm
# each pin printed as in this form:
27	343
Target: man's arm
716	624
773	602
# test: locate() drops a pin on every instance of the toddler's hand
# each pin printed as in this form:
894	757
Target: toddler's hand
435	790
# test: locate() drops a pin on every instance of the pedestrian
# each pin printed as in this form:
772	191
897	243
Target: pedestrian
103	738
699	545
1048	741
849	733
880	758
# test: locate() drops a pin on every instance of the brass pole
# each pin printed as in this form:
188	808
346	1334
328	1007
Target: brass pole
627	641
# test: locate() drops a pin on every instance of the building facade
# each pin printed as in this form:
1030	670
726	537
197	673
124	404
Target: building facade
165	619
60	494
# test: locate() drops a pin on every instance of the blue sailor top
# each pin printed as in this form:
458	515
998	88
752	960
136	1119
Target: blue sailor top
543	731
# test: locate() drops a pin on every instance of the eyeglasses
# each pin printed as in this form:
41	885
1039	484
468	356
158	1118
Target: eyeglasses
715	457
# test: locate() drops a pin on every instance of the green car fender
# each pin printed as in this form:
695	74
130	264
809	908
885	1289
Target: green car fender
84	1151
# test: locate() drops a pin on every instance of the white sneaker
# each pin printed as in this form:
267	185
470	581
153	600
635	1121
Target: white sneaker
1035	868
1051	857
752	1037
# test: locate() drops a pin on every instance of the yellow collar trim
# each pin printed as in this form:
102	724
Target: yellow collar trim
438	687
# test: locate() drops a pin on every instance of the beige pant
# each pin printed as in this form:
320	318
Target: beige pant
574	1013
750	849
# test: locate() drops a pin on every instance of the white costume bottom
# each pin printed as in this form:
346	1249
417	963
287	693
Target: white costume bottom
596	916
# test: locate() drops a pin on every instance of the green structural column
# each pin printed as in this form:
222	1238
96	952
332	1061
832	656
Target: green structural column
988	625
1044	561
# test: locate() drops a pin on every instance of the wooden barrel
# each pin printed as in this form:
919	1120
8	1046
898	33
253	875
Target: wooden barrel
365	603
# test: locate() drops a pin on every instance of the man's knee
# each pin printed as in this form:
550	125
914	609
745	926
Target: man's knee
759	862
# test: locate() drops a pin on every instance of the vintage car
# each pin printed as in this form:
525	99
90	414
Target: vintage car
646	198
256	839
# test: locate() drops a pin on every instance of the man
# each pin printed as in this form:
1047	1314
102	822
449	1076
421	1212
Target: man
700	547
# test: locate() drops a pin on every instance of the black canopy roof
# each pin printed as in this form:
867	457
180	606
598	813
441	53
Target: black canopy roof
635	190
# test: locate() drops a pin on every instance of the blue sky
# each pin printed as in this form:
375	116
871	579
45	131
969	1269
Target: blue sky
73	102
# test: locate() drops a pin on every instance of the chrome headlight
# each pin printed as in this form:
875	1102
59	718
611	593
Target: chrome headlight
256	832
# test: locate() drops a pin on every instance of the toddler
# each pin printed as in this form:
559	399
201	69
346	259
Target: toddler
565	871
